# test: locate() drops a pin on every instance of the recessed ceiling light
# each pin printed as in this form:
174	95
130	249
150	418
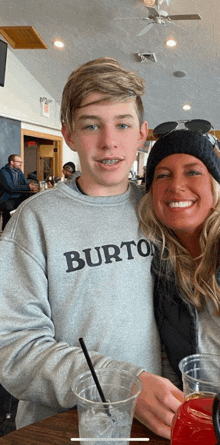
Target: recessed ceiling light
186	107
149	2
171	43
58	44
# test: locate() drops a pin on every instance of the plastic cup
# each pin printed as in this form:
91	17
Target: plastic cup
98	420
200	374
193	421
42	185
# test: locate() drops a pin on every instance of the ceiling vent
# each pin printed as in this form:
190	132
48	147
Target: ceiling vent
147	56
22	37
180	73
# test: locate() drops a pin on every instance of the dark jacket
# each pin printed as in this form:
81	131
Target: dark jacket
176	319
8	187
8	409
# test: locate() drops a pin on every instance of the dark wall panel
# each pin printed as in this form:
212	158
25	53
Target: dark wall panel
10	139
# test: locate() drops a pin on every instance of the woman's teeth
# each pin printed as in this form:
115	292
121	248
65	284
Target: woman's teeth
180	204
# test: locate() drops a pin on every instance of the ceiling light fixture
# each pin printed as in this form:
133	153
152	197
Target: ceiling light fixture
171	43
186	107
149	2
58	44
157	2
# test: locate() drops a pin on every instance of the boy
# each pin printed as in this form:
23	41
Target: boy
88	274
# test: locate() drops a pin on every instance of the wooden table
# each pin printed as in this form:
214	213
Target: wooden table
59	429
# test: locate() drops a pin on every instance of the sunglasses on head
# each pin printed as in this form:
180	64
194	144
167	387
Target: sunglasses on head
199	125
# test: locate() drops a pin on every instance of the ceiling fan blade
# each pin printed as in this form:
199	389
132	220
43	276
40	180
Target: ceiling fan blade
153	12
185	17
130	18
145	30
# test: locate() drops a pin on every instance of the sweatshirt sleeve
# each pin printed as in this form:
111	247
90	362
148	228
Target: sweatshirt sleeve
35	366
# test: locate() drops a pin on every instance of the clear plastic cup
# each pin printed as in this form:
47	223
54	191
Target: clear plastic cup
111	420
200	374
193	422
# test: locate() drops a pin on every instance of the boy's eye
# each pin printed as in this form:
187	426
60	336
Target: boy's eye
123	126
91	127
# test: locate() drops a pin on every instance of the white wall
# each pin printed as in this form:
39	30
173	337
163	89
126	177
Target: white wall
20	97
20	100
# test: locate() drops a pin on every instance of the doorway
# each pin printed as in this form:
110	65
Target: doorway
42	154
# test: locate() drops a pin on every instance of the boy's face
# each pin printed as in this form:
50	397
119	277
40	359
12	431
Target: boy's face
106	136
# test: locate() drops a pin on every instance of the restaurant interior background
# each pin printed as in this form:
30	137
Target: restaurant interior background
185	74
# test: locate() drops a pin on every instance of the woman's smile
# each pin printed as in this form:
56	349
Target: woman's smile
180	204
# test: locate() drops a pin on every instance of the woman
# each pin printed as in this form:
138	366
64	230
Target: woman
180	215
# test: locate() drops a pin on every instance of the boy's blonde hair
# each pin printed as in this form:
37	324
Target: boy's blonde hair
105	76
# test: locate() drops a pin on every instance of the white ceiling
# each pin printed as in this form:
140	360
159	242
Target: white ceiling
89	30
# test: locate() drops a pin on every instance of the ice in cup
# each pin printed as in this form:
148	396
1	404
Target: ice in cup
98	420
193	422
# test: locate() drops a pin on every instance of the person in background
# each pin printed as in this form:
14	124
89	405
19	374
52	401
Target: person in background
68	170
13	186
180	214
32	177
81	264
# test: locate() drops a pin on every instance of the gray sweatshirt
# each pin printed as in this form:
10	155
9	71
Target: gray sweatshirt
73	266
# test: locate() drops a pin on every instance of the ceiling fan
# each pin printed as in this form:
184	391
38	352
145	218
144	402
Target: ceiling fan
160	17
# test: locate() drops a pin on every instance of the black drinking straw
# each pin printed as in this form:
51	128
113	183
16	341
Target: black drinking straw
91	367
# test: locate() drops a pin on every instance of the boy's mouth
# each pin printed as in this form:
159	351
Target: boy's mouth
109	161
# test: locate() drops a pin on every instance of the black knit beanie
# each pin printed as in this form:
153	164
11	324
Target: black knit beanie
70	164
183	141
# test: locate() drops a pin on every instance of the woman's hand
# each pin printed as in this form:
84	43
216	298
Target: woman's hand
157	403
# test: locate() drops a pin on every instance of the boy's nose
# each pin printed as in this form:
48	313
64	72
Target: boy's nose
108	138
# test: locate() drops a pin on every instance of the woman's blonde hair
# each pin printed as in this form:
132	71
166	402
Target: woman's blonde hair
105	76
195	281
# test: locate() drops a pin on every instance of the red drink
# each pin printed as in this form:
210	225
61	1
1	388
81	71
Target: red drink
192	422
